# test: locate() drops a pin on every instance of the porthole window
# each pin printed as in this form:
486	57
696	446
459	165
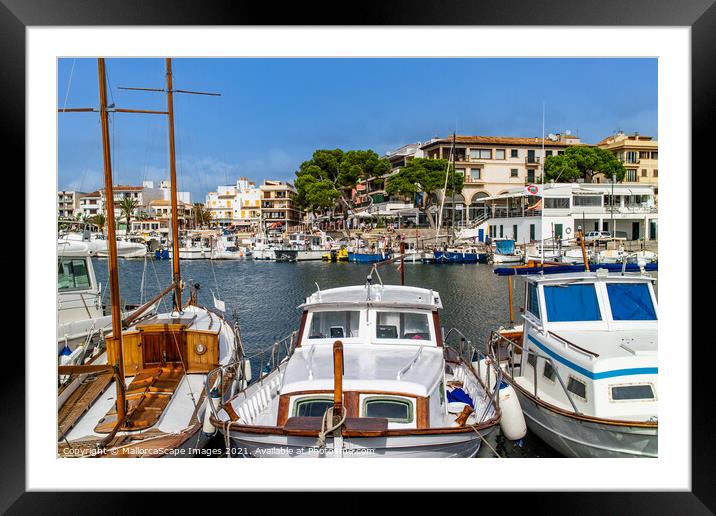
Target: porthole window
312	407
395	410
577	387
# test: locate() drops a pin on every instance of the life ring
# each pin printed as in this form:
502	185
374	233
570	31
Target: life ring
568	230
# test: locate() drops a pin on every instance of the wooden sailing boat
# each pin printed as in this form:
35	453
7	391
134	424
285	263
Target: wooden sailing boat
144	396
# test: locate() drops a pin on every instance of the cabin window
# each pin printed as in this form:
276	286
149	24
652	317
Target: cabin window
577	387
631	392
334	325
548	371
395	410
72	274
401	325
631	302
577	302
532	358
312	407
532	300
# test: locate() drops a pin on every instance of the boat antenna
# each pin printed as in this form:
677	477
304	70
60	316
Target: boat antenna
542	192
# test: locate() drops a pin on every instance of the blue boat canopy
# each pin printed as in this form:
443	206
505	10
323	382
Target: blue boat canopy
505	246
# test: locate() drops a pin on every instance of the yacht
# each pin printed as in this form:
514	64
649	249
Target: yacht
584	362
369	375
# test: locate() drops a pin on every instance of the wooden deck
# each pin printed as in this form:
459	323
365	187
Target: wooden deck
81	400
148	395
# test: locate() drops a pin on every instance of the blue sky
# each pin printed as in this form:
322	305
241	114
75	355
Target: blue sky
273	113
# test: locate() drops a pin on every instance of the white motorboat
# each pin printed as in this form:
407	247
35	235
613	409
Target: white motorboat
576	256
81	321
96	245
369	376
310	246
265	245
224	247
611	256
506	252
584	364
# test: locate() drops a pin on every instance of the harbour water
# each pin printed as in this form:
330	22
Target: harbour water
264	296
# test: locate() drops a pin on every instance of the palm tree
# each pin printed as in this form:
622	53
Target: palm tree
127	206
202	215
99	221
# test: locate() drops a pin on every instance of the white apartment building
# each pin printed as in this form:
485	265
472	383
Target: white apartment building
90	204
492	165
68	204
235	205
627	210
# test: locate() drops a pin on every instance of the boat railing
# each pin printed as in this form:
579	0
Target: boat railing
269	359
469	354
499	342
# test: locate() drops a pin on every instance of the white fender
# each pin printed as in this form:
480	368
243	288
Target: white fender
247	370
481	367
512	421
214	399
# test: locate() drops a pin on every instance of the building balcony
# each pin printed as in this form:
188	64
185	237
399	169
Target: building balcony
532	160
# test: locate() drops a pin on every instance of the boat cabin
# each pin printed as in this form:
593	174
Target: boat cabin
590	343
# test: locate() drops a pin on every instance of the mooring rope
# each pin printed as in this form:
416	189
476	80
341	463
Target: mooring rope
325	429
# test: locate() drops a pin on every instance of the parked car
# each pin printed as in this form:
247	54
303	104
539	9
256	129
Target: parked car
591	236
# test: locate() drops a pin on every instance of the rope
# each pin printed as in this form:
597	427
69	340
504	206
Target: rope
325	429
485	441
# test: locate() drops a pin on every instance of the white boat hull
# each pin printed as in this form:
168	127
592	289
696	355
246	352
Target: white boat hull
302	256
264	254
463	445
575	437
507	258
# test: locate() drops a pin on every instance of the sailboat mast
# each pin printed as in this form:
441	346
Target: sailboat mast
176	274
111	242
452	212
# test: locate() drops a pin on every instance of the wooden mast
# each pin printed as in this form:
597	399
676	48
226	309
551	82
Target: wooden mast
176	274
111	243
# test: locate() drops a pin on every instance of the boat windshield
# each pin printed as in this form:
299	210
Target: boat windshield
571	303
334	325
402	325
72	273
631	302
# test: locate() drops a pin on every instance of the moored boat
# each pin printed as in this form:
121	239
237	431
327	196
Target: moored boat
584	364
369	376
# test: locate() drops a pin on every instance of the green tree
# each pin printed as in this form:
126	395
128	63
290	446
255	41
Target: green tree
99	221
582	162
426	176
127	206
329	175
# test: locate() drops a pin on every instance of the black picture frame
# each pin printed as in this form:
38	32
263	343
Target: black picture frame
700	15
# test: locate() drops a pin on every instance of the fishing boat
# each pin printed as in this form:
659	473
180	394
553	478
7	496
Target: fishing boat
505	252
576	256
143	396
369	257
584	362
463	254
369	375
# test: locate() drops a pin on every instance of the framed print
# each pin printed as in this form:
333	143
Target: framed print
271	200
